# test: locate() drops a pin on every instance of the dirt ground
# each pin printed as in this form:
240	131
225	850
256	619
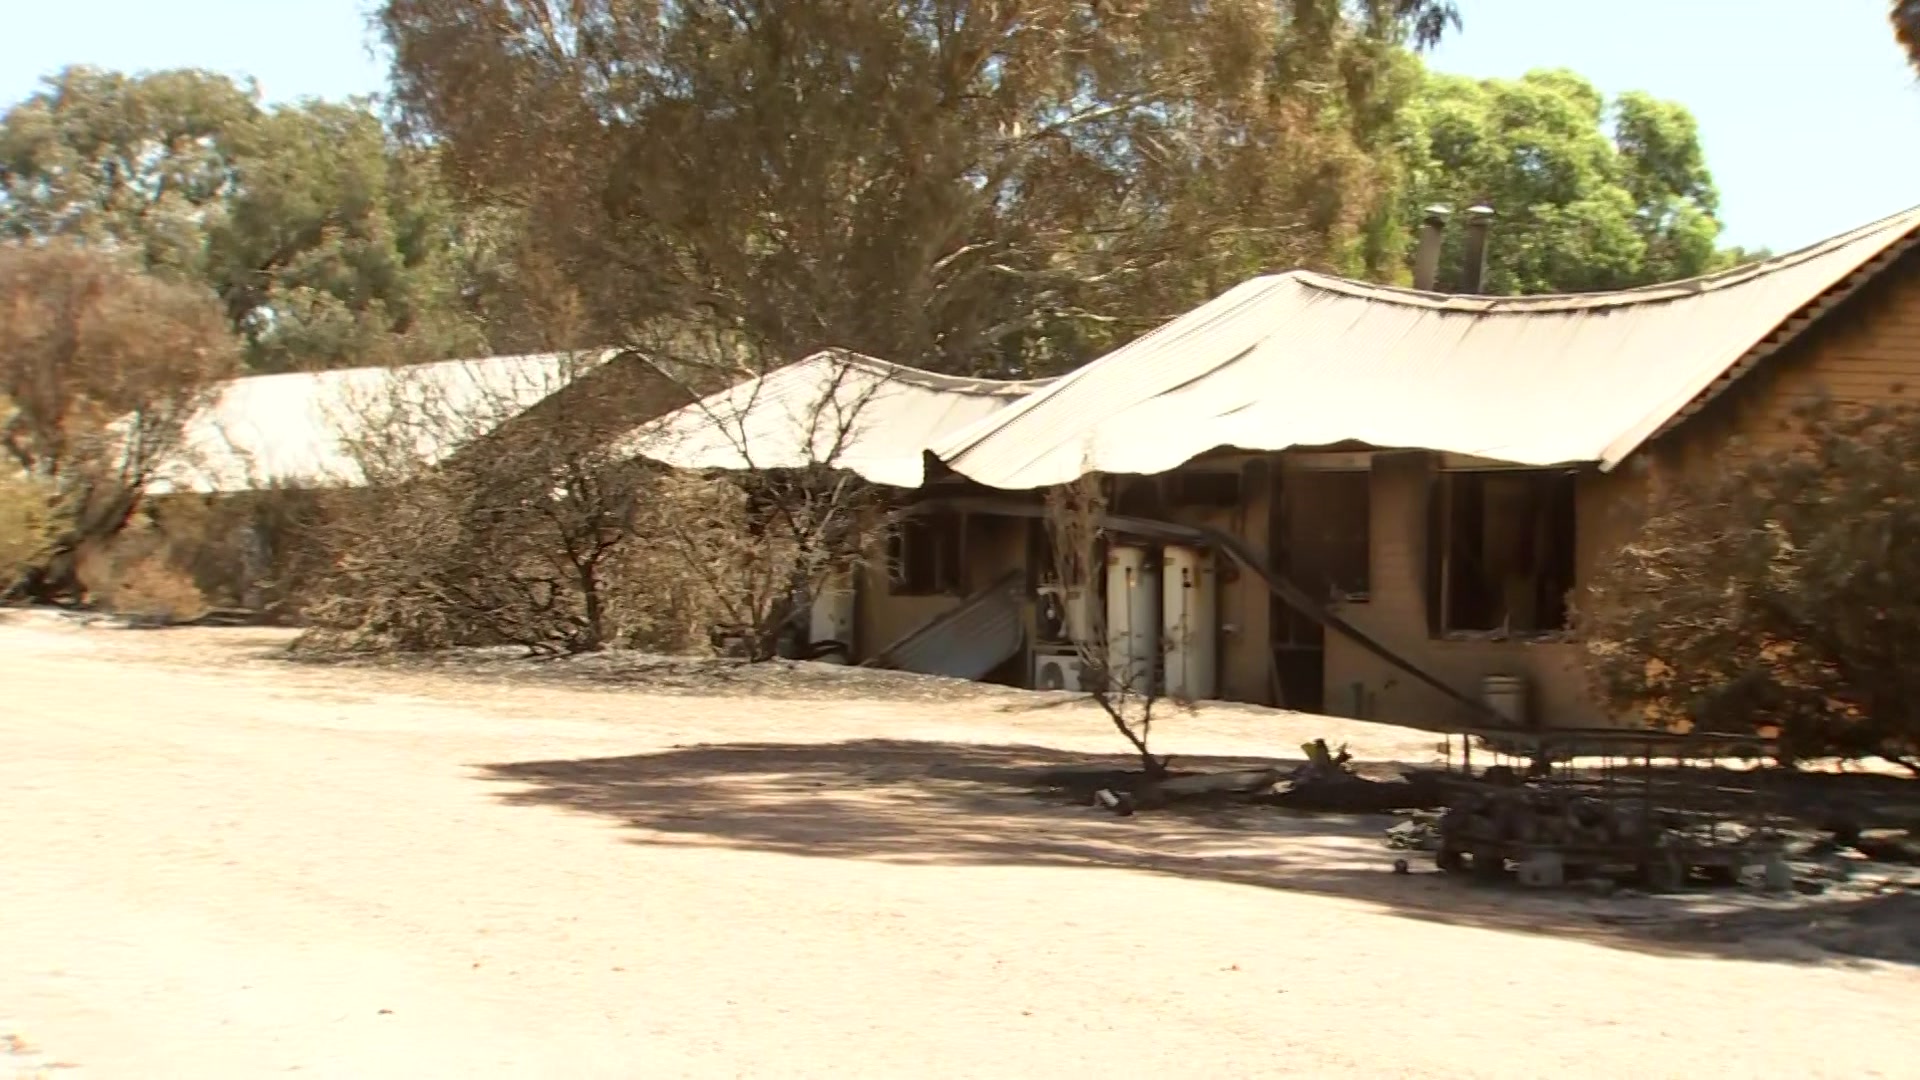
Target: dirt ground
222	864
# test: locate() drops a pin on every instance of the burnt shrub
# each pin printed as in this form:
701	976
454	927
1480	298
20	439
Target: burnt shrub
1780	596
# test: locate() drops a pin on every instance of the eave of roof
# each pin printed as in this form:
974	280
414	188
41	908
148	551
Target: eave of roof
1790	330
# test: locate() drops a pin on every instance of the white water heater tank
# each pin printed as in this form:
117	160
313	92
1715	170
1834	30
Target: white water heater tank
832	615
1133	619
1190	613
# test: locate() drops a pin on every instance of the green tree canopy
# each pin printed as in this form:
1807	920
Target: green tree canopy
327	242
959	185
1590	194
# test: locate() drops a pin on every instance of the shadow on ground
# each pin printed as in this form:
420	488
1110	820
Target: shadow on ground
940	803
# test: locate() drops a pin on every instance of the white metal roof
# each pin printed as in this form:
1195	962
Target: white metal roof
835	408
305	427
1303	359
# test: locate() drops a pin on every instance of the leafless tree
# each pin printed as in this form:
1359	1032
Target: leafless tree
493	511
491	507
1126	688
767	466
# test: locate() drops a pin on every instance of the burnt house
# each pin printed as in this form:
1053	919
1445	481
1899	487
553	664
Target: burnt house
1391	498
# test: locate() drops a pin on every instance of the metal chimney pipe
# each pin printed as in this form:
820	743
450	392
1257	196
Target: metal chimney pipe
1426	257
1473	274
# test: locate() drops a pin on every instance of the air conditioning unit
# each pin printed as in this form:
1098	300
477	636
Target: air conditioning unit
1063	616
1059	671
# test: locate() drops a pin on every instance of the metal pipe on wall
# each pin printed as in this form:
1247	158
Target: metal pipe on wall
1473	272
1426	258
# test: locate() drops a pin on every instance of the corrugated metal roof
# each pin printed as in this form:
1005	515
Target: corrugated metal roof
1303	359
968	642
302	427
833	408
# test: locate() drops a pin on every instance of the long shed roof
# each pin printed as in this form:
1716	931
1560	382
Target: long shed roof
1304	359
310	428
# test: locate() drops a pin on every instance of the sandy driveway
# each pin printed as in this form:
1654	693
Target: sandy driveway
244	869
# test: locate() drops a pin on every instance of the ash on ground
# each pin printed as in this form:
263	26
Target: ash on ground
620	669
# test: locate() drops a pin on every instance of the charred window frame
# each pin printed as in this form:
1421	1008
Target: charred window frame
1501	547
925	554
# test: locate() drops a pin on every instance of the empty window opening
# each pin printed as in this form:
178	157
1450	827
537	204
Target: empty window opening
1501	552
1330	523
924	554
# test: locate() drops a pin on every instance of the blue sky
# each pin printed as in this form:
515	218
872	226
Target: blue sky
1810	118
